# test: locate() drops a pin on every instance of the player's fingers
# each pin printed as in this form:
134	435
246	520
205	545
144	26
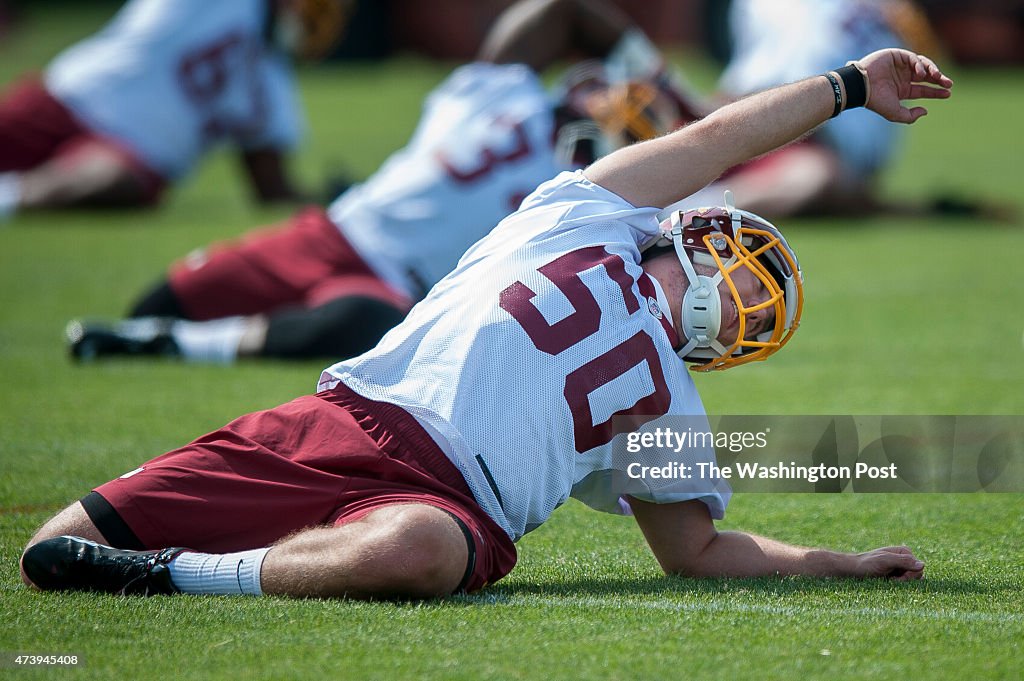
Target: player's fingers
927	92
916	112
892	549
905	571
920	70
909	575
904	550
908	562
902	114
898	559
933	74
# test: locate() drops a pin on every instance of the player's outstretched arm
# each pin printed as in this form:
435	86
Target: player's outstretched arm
539	32
684	540
661	171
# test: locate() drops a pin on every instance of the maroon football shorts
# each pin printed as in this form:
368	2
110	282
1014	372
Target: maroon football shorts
36	128
323	459
306	261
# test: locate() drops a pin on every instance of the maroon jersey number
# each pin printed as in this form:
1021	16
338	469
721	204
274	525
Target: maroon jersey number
205	74
490	159
585	320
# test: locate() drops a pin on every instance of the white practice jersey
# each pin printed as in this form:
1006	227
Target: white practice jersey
521	361
782	41
170	78
483	143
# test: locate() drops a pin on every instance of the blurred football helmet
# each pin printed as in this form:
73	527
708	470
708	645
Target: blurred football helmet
309	29
728	240
911	25
595	115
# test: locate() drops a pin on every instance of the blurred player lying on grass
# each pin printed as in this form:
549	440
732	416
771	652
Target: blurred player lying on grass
329	283
119	116
416	466
835	170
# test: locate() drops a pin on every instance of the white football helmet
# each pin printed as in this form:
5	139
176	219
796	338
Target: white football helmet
729	239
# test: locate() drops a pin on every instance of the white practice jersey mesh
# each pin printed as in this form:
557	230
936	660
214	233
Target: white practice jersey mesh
782	41
483	143
170	78
520	358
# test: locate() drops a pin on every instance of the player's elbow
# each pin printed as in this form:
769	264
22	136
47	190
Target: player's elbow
696	562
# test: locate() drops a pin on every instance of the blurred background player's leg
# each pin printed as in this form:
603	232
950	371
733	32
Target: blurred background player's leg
295	291
337	329
88	172
48	159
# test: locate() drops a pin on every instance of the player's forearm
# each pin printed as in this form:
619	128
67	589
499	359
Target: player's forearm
756	125
737	554
664	170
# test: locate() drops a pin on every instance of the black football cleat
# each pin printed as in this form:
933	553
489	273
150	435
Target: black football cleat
76	564
88	340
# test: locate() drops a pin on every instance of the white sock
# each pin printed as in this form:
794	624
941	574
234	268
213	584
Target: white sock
225	574
10	193
212	341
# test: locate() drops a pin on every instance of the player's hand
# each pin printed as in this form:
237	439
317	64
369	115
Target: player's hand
892	562
895	75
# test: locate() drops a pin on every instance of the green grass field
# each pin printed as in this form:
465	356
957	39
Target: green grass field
902	317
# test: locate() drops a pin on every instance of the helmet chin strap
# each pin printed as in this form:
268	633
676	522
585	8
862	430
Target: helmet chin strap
702	306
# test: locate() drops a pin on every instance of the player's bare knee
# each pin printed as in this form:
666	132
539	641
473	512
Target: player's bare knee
72	520
422	552
91	174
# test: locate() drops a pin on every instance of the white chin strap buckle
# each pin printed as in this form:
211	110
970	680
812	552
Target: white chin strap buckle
702	306
702	313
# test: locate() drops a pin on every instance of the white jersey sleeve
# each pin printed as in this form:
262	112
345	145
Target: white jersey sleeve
524	357
171	78
483	143
782	41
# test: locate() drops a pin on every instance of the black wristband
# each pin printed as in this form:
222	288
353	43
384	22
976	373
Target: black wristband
856	87
838	92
